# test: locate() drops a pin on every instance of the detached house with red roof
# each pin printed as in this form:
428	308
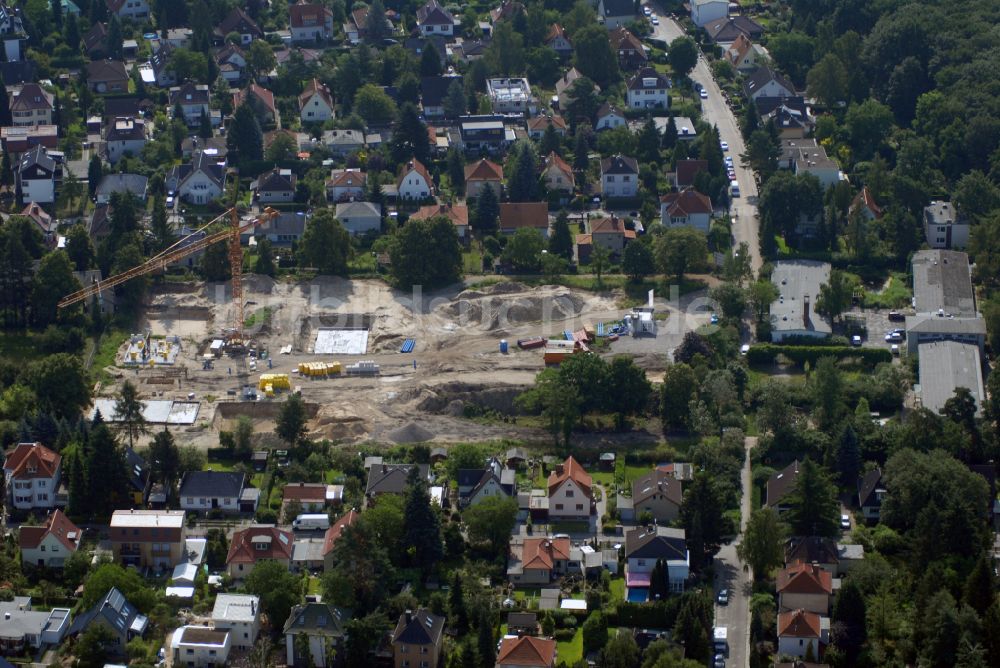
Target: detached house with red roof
558	41
629	49
610	233
31	105
806	587
346	184
538	561
456	213
310	22
539	124
483	174
688	208
333	534
414	181
315	102
570	491
864	202
558	175
515	215
526	652
32	472
256	543
50	544
261	100
800	630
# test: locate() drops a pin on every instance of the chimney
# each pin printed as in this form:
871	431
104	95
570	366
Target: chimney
385	468
6	615
409	616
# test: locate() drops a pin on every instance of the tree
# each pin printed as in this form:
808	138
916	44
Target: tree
104	469
785	200
638	261
763	547
260	58
680	248
60	383
282	148
425	252
551	142
278	589
214	265
593	55
374	105
456	171
813	509
849	616
128	412
505	54
595	632
409	138
377	25
582	106
491	520
691	629
732	300
827	389
702	520
95	171
291	423
975	195
422	538
454	100
524	249
630	389
325	245
113	42
522	183
163	234
561	239
868	125
827	81
456	604
486	211
600	258
53	281
107	576
164	460
679	385
245	140
558	404
265	258
835	295
430	61
762	154
90	650
683	56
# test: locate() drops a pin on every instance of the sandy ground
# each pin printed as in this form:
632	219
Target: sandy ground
456	356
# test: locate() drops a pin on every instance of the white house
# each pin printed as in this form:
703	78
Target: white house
765	82
645	546
414	181
200	647
135	10
609	118
315	103
945	226
124	136
240	615
325	627
24	629
706	11
202	491
570	494
310	22
274	186
648	89
199	181
194	101
687	208
32	472
619	176
346	184
800	630
360	217
38	174
433	19
51	544
32	105
615	13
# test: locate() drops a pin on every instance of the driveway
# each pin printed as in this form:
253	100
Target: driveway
715	111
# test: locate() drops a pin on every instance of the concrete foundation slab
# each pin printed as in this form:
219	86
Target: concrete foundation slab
341	341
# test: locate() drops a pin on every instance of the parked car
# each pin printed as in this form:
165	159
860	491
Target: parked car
893	337
894	349
715	319
845	522
719	661
744	349
703	94
723	597
647	11
896	316
856	341
724	146
655	21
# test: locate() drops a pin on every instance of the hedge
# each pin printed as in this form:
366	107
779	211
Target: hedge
766	353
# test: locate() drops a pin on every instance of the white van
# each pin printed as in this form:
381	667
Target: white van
734	188
311	522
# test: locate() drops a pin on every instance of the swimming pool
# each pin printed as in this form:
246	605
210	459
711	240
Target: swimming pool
637	594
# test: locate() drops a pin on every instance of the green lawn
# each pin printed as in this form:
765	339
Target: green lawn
572	651
570	527
111	340
315	586
897	294
618	589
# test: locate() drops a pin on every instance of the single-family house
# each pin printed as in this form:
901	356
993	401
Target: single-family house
202	491
648	89
274	186
95	41
232	61
564	87
686	170
346	184
38	176
511	95
136	468
325	627
619	176
687	208
134	185
558	41
12	33
333	534
871	492
538	561
416	640
794	313
615	13
239	614
414	181
148	538
945	226
538	125
390	479
24	630
484	133
200	647
31	105
804	586
433	19
315	102
526	652
342	143
609	117
779	485
283	230
107	76
194	101
239	22
611	234
434	94
558	175
356	27
816	162
533	215
199	181
507	11
312	497
744	55
360	217
483	174
51	544
133	10
32	473
17	140
119	617
865	205
790	115
801	632
456	213
659	494
647	546
124	136
570	491
766	82
257	543
726	30
310	22
43	220
164	73
629	49
261	100
706	11
814	550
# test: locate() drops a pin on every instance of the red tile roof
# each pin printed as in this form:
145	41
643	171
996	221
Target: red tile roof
32	460
570	470
456	213
541	123
314	87
527	651
243	551
305	14
348	178
58	525
612	225
555	32
265	96
337	529
304	491
687	202
804	579
686	170
798	624
415	165
515	215
483	170
865	198
543	552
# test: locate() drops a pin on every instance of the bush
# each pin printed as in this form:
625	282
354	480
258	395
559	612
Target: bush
766	353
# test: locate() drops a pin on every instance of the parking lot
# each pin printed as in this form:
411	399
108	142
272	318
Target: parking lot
878	325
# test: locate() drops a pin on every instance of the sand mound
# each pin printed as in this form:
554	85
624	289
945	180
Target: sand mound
492	312
410	433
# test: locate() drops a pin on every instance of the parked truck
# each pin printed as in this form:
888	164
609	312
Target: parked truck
311	522
721	639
